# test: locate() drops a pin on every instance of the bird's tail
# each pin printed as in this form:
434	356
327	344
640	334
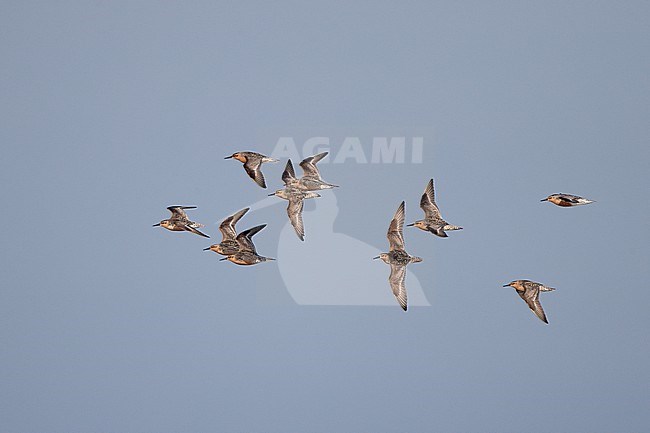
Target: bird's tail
450	227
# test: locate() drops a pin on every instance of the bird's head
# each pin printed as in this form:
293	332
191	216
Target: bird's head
238	156
516	284
383	256
279	193
419	224
163	223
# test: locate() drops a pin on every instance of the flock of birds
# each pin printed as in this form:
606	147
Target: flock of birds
239	248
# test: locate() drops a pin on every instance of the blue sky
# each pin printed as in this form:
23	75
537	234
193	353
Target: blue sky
114	110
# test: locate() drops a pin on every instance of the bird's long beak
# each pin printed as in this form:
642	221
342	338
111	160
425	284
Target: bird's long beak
155	225
410	225
544	199
225	258
506	285
206	249
375	258
271	195
228	157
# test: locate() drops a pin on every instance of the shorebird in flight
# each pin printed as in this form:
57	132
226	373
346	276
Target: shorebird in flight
295	196
228	244
529	292
397	257
432	221
567	200
247	254
253	164
179	222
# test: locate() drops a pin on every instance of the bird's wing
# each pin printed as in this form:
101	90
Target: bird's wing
395	236
428	202
569	198
191	228
396	280
178	212
294	211
288	175
252	167
316	158
308	165
227	227
244	239
531	297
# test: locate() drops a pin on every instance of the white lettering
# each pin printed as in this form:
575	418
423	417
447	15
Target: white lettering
388	151
351	148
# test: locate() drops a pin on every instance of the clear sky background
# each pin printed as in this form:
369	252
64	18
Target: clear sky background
112	111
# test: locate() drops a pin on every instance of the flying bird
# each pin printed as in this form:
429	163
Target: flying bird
247	254
432	221
397	258
567	200
179	221
295	196
529	292
253	164
228	244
